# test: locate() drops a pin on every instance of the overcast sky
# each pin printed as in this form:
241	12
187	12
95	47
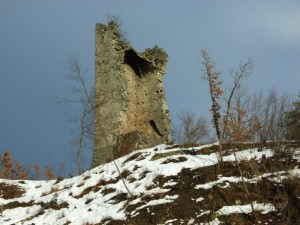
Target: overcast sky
37	37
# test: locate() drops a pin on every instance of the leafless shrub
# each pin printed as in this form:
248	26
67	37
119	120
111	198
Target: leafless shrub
115	20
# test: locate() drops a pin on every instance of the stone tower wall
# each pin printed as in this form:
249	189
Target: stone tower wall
130	106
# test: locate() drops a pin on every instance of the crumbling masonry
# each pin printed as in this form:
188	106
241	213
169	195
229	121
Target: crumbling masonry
130	107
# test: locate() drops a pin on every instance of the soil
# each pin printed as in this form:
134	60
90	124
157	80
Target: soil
192	203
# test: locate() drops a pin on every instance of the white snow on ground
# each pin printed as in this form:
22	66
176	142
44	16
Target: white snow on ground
263	208
159	201
96	206
209	185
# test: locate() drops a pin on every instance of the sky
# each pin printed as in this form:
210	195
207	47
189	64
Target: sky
37	37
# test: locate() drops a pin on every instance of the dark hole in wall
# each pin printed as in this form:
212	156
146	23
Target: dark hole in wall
138	64
153	125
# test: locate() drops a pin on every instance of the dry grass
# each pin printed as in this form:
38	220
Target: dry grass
54	189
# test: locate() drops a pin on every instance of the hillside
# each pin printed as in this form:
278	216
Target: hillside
169	185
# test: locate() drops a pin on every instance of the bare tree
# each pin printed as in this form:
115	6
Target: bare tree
256	117
226	126
237	75
84	121
269	112
213	78
191	130
292	121
284	105
239	127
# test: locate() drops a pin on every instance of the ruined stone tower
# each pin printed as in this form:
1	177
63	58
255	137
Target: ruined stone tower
130	107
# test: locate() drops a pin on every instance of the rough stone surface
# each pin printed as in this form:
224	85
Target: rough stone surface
130	107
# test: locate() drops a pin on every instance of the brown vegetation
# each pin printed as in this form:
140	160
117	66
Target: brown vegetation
11	169
14	170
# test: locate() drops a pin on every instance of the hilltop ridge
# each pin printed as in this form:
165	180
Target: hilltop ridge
169	185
